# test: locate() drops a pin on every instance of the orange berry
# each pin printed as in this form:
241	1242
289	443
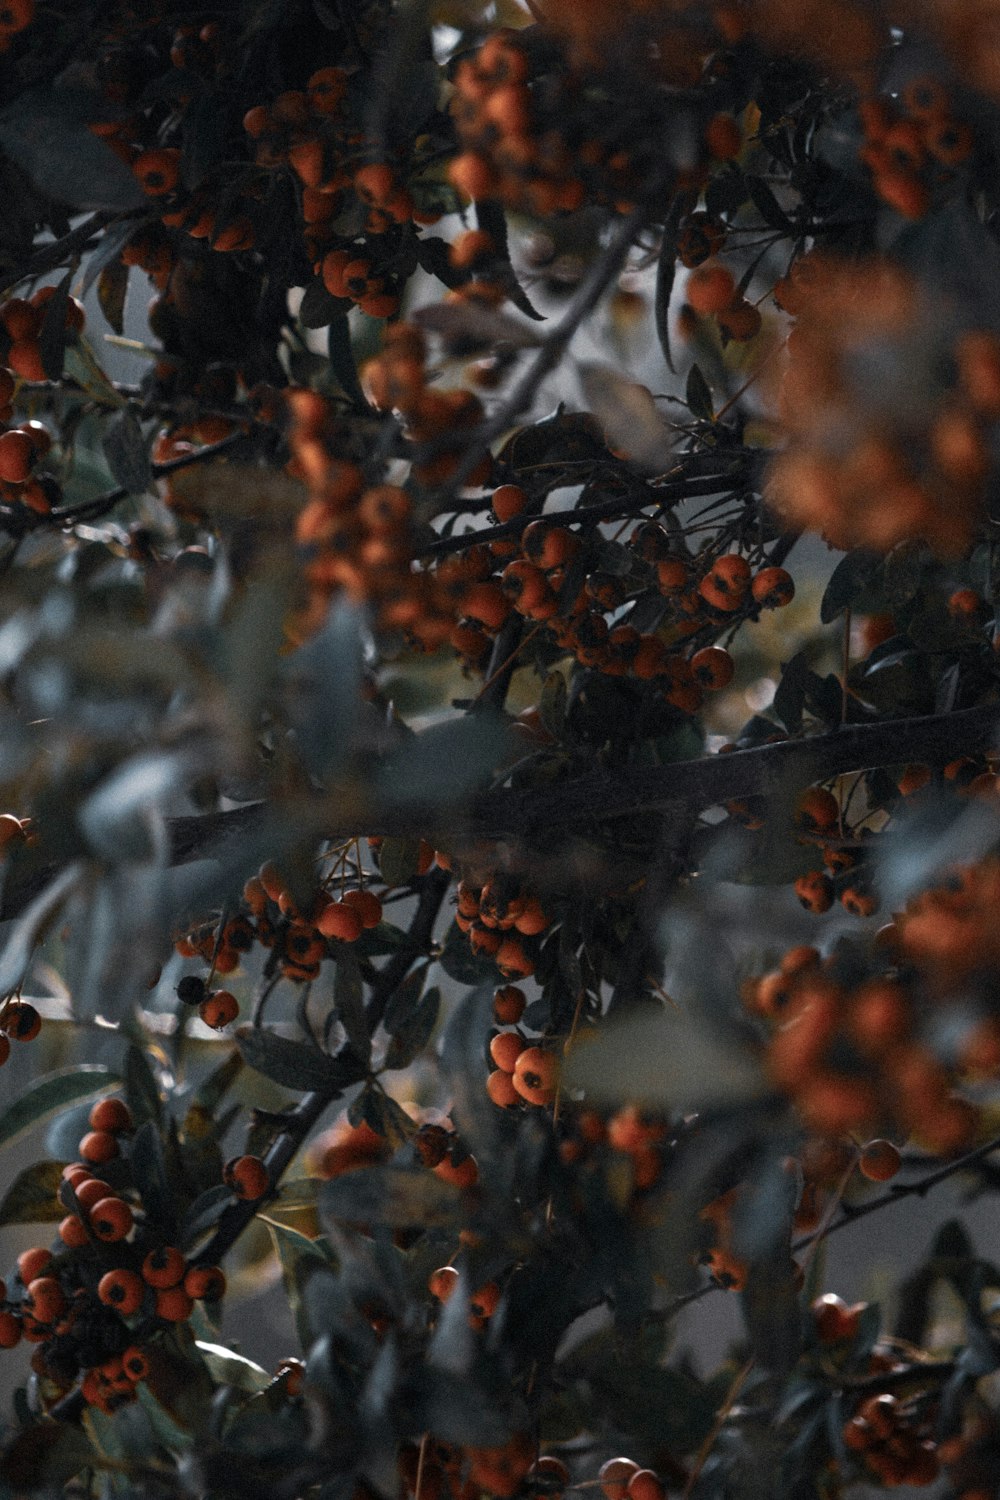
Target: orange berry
442	1282
25	358
773	588
219	1009
248	1177
17	454
710	288
644	1485
46	1298
835	1321
134	1363
817	810
163	1267
501	1090
340	920
33	1263
205	1283
20	319
174	1305
110	1219
508	1005
815	891
614	1477
158	170
505	1049
123	1290
879	1161
536	1073
111	1115
73	1233
98	1146
713	668
723	137
367	905
20	1021
10	1330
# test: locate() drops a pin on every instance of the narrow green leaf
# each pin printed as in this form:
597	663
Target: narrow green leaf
52	338
698	396
46	1096
27	929
348	997
112	289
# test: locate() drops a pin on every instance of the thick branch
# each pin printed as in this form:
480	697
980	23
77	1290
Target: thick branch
598	797
760	772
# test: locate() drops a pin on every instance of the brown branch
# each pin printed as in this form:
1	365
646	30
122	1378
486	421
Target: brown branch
760	772
17	520
665	494
918	1188
596	797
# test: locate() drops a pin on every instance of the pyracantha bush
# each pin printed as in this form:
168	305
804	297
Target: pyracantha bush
499	723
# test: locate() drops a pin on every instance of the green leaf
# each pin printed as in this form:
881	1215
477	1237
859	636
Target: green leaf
341	356
149	1169
698	396
52	338
45	132
380	1112
773	1314
296	1065
389	1195
664	1060
300	1259
404	1000
142	1092
318	307
628	415
45	1097
31	1197
398	860
348	998
853	584
768	206
126	449
412	1035
552	703
325	685
229	1368
112	289
666	268
27	930
459	962
790	697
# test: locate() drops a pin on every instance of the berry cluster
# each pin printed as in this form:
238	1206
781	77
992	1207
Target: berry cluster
913	145
300	937
96	1304
893	1437
848	1049
864	465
